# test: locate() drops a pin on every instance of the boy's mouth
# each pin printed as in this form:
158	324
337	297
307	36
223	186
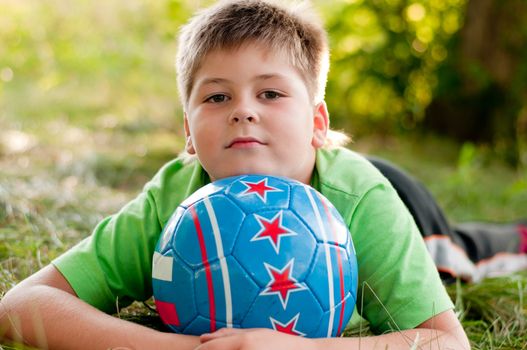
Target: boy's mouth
244	142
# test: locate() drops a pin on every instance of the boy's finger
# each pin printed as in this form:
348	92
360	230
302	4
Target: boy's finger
223	332
218	342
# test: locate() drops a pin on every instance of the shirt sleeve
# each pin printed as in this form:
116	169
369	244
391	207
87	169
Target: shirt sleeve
399	286
112	266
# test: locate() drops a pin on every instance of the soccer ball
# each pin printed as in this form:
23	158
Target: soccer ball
255	251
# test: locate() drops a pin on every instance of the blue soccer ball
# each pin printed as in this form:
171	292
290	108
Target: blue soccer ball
255	251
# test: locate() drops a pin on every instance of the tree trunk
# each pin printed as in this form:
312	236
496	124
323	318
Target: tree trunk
482	85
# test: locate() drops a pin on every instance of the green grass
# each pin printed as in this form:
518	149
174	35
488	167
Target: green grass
468	181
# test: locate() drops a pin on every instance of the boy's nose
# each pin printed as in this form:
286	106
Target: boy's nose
243	116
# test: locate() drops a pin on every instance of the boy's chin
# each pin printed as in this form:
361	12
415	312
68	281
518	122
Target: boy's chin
245	171
258	171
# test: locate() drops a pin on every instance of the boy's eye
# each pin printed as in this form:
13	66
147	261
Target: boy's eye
218	98
271	95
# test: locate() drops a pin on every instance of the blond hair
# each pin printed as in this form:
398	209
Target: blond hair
294	30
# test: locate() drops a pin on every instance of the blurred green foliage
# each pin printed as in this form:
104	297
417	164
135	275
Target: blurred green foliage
110	65
457	68
98	64
385	54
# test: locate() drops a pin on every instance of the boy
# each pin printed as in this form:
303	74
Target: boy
251	77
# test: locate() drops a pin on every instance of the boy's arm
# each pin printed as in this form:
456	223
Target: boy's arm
44	311
440	332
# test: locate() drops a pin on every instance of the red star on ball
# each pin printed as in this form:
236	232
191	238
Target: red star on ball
273	230
282	283
289	327
259	188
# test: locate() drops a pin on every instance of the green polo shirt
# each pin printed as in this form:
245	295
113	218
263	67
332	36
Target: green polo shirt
399	286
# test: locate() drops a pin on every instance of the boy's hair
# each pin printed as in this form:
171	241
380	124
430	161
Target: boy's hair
294	30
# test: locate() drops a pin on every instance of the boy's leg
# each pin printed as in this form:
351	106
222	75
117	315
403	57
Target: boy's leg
470	251
489	238
496	249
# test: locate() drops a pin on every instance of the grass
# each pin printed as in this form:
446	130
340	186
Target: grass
87	118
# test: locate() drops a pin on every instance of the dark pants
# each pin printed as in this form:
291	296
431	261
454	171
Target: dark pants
470	251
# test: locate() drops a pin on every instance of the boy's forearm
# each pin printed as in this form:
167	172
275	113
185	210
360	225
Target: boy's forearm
46	317
419	338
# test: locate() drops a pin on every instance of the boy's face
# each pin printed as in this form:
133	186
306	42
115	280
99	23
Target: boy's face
249	111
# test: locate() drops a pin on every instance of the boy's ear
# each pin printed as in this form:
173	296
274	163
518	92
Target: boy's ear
188	143
320	125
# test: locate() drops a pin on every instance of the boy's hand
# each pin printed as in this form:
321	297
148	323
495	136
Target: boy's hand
253	339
